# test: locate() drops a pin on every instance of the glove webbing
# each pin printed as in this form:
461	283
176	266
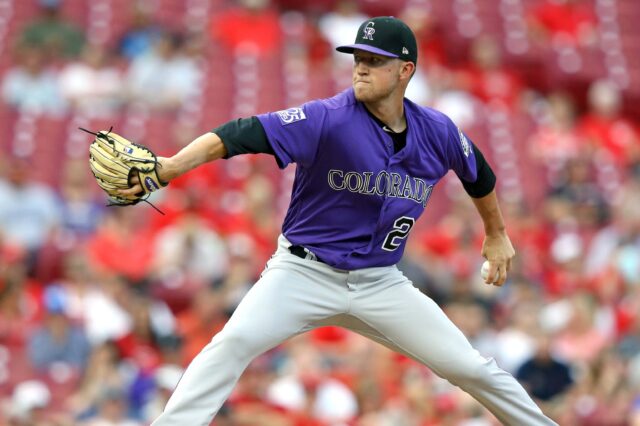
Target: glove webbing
113	141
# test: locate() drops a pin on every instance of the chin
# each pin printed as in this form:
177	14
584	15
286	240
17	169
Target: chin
364	95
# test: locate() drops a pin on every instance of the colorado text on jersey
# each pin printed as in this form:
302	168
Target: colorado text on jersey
384	183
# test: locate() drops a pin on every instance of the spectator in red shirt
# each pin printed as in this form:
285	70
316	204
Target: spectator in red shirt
569	21
556	139
253	26
201	322
120	246
487	78
605	127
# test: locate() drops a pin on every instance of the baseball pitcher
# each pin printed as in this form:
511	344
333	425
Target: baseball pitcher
367	161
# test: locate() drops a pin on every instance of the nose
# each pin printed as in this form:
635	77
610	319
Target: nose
361	68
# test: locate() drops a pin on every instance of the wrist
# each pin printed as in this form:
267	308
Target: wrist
165	169
495	231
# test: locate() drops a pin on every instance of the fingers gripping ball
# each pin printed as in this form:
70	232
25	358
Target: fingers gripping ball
114	160
484	272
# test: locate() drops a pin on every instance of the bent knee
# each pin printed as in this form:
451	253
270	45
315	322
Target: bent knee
241	342
471	371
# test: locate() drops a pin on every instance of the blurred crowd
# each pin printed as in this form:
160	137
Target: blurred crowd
102	308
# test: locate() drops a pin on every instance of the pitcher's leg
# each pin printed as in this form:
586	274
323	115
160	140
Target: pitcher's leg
412	323
281	304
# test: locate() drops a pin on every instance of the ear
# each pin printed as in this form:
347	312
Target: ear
407	70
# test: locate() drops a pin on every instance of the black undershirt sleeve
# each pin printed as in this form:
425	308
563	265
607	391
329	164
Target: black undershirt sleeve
244	136
485	180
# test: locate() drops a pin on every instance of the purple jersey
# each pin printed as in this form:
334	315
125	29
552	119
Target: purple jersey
354	200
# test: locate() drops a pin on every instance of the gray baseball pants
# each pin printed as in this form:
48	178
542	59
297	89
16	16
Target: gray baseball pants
295	295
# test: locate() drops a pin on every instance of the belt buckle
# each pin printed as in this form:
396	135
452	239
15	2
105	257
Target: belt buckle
310	255
302	252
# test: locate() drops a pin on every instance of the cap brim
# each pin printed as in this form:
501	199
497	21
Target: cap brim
351	47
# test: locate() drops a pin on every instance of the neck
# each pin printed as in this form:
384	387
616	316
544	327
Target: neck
390	111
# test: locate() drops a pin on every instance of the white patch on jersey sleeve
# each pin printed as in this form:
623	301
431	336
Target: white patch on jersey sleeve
291	115
466	146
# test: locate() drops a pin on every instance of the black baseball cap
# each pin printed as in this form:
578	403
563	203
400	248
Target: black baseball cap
386	36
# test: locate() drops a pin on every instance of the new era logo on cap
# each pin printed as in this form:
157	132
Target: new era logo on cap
405	51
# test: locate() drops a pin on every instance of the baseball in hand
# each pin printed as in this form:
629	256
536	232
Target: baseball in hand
484	271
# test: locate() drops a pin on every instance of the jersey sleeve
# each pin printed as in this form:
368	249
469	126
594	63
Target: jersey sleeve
295	133
460	153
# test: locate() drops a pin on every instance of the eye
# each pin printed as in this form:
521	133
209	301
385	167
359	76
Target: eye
371	61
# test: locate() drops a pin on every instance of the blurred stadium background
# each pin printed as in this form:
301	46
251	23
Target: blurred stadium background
101	308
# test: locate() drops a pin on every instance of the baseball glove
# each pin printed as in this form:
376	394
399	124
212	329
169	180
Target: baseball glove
114	160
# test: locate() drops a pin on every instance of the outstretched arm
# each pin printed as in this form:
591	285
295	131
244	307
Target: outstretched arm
203	149
497	248
240	136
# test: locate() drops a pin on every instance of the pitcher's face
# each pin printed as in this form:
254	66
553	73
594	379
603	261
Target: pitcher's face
375	76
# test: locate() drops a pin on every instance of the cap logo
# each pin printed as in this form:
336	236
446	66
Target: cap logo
405	51
369	30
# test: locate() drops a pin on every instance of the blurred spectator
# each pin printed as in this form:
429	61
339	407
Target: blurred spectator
306	387
165	78
622	235
112	410
580	341
166	378
201	322
431	53
603	386
563	21
109	248
472	319
556	140
18	311
606	128
486	76
92	85
94	304
238	280
515	343
28	403
341	24
58	341
32	86
140	37
251	27
29	211
104	371
428	30
629	344
543	376
51	31
575	185
153	322
461	106
80	211
189	252
418	89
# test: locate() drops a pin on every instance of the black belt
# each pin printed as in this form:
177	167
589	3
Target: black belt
303	253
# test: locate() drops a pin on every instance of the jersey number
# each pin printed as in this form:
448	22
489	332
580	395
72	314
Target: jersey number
401	228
